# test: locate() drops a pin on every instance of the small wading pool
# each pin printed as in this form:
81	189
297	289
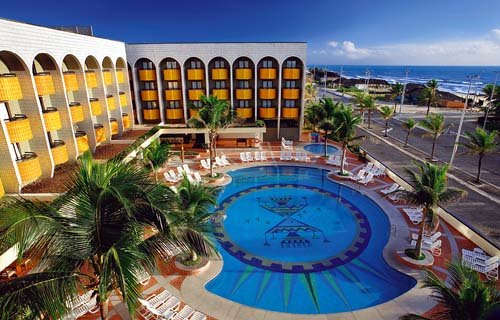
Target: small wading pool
293	241
319	148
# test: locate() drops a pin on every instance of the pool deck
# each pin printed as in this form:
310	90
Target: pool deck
191	288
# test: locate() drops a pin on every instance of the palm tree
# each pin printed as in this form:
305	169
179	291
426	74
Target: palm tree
313	115
366	103
214	115
110	226
190	221
327	126
430	191
346	124
429	94
463	297
156	155
327	123
311	91
387	114
436	126
481	142
408	126
396	91
329	107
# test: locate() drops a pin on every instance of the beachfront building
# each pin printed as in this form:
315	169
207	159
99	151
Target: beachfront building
62	93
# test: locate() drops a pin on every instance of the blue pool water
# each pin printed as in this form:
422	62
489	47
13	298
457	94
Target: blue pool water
294	241
319	148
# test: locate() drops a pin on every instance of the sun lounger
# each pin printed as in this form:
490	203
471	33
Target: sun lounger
198	316
143	277
433	247
174	189
225	161
187	170
358	176
282	155
414	216
173	175
263	156
479	261
204	164
89	306
208	162
181	172
156	300
257	156
197	177
171	304
366	179
168	178
391	189
81	299
426	237
286	145
248	155
219	162
190	178
243	157
185	313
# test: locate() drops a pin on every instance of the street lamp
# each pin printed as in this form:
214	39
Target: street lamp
457	139
491	99
404	91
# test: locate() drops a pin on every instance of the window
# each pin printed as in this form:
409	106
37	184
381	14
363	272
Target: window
244	103
243	84
291	64
148	65
267	84
151	105
174	104
267	64
197	104
195	64
266	103
171	65
219	64
289	84
220	84
290	103
149	85
173	85
196	85
243	64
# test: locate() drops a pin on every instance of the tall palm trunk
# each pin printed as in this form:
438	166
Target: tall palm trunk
369	119
326	143
395	106
428	107
342	161
418	246
210	150
479	164
386	126
406	139
433	147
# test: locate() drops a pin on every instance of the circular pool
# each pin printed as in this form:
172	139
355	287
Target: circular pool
294	241
319	148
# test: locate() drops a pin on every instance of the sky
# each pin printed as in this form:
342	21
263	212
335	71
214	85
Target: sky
383	32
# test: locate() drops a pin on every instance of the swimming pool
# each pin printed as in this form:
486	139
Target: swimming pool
319	148
293	241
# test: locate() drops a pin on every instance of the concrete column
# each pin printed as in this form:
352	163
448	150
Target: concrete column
137	93
278	126
159	87
183	91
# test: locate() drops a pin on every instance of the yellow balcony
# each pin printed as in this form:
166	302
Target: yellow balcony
120	77
29	169
107	77
2	191
126	120
219	74
151	114
267	113
243	74
100	134
195	94
193	113
110	100
147	75
10	88
114	126
123	99
291	73
91	79
290	113
243	94
52	120
95	107
82	141
19	130
173	94
59	154
222	94
71	81
267	93
174	114
196	74
291	94
149	95
44	84
267	73
244	113
76	112
171	74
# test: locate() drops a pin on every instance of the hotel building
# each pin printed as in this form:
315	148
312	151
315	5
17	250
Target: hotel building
63	93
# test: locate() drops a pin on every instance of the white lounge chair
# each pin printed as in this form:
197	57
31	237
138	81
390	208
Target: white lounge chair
249	156
224	160
358	176
155	300
481	262
433	247
243	157
171	304
426	237
81	299
204	164
190	178
208	162
188	170
173	175
286	145
181	172
174	189
198	316
185	313
263	156
219	162
368	167
333	160
257	156
143	277
391	189
366	179
89	306
168	178
414	215
282	155
197	177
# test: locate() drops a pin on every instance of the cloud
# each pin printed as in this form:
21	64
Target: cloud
484	50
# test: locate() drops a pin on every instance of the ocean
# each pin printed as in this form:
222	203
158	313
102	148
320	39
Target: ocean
450	78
